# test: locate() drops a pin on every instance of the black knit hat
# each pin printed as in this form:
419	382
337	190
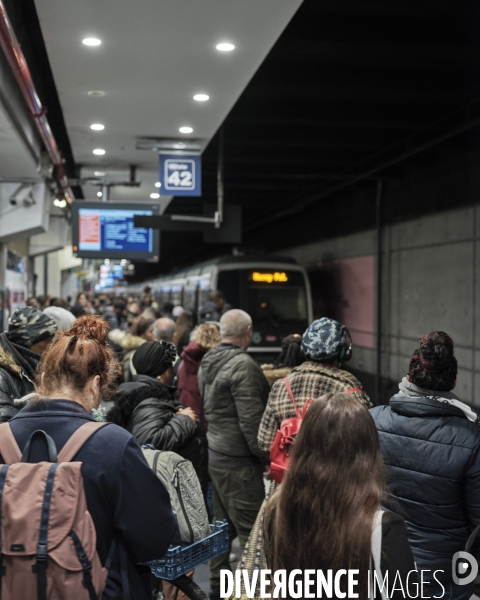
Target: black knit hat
154	358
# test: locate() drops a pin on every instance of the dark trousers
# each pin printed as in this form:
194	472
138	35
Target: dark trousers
238	494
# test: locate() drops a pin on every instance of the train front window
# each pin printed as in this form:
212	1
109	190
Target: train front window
277	296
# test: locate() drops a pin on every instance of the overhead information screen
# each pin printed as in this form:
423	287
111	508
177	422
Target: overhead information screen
105	230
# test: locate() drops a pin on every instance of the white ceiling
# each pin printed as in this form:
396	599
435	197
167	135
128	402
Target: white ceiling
155	55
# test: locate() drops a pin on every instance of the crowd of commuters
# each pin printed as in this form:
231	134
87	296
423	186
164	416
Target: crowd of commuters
407	474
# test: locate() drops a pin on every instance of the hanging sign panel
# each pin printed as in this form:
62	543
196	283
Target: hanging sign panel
180	174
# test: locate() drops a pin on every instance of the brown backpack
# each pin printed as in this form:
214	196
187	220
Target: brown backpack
47	536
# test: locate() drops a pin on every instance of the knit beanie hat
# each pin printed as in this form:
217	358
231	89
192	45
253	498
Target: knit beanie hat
28	326
62	317
323	338
154	358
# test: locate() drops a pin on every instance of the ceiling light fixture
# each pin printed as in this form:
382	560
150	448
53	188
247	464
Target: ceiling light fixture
154	196
185	130
225	47
91	42
99	173
158	184
99	194
201	97
99	151
96	93
97	127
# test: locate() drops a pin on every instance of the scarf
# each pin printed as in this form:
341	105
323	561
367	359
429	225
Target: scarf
412	391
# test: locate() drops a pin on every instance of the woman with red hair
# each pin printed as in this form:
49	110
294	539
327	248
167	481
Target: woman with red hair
76	372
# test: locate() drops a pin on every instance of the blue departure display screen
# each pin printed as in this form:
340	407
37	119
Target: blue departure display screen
104	229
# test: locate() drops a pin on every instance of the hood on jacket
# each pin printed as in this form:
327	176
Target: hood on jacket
193	353
8	363
17	360
129	395
414	401
130	342
215	360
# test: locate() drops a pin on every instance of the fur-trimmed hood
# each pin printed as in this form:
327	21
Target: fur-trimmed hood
8	363
130	342
129	396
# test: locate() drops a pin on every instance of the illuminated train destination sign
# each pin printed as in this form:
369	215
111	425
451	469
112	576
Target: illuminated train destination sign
276	277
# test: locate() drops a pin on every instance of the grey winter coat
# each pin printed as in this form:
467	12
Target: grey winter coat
235	394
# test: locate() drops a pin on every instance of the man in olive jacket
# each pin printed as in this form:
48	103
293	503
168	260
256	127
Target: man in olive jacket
235	393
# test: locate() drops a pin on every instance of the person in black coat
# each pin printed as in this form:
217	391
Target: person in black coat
126	500
29	333
148	407
430	443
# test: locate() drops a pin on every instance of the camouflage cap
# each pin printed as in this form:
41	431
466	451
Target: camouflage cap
323	338
28	326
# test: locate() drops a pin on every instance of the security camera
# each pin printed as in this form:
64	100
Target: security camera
22	195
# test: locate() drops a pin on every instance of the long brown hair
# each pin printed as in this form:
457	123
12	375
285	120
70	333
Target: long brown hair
322	515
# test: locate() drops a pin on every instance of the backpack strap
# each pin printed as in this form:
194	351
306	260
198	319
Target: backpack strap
290	393
76	441
9	449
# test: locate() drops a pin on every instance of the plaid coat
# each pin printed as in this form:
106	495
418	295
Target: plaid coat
309	380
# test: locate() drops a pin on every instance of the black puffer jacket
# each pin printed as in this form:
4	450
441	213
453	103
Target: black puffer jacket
146	408
17	372
431	453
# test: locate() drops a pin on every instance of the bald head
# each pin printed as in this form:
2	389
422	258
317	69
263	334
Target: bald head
164	329
236	328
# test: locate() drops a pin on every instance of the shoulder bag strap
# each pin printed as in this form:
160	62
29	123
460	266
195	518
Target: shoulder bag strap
290	393
353	390
9	449
76	441
377	554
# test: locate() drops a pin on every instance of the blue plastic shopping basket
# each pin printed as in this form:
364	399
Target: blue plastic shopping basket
179	560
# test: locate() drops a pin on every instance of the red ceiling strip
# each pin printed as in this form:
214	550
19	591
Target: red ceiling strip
18	64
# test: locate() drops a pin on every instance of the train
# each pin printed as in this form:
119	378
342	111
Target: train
275	292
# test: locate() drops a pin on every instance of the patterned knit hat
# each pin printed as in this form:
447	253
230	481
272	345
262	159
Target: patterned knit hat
323	339
28	326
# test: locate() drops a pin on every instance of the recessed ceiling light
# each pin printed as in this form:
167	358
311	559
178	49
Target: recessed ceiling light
99	173
179	145
158	184
91	42
201	97
154	196
99	151
97	127
96	93
185	130
99	194
225	47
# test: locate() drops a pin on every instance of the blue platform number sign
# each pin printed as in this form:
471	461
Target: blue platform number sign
180	175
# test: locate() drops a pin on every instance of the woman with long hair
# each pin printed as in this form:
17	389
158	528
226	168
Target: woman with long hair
322	516
76	372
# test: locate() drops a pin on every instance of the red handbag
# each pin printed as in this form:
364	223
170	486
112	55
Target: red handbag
285	438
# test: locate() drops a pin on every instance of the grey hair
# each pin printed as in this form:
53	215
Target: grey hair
234	323
166	332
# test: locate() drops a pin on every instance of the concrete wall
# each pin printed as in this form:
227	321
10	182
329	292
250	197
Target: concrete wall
431	281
